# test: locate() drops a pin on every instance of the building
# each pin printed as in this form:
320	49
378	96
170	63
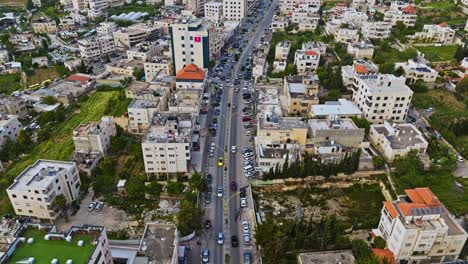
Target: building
361	50
167	145
341	108
143	108
270	155
382	97
341	131
124	67
160	241
235	10
196	6
126	38
279	23
301	93
9	128
214	11
376	30
441	33
219	35
308	24
95	47
143	51
67	23
191	77
79	5
13	105
327	257
190	43
282	50
42	61
185	101
273	128
359	69
415	71
33	191
157	68
419	229
363	5
97	8
44	26
346	35
260	63
106	28
407	15
306	60
94	249
4	56
353	17
396	140
311	6
94	136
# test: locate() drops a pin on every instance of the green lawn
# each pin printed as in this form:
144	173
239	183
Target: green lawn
45	250
9	83
392	55
439	5
442	53
364	205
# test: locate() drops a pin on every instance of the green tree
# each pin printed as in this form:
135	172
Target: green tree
387	67
462	88
188	218
419	87
138	73
399	71
49	100
379	242
362	123
378	162
24	138
360	249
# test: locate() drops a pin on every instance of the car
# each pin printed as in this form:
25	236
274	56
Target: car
233	149
234	241
460	159
249	174
233	186
245	227
99	206
430	109
220	162
219	191
246	119
207	198
236	90
243	202
207	223
248	154
205	255
209	178
242	192
91	206
246	239
247	257
248	125
220	238
233	106
215	120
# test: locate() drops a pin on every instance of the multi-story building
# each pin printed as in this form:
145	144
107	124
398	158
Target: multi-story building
167	145
191	77
106	28
124	67
336	131
363	5
360	68
396	140
185	101
190	43
235	10
94	47
13	105
125	38
279	23
158	67
94	136
307	59
9	128
32	193
219	36
214	11
346	35
376	30
270	155
44	26
4	56
419	229
353	17
97	8
382	97
308	24
415	71
341	109
67	23
196	6
407	15
142	109
441	33
361	50
282	50
287	6
142	51
301	93
79	5
273	128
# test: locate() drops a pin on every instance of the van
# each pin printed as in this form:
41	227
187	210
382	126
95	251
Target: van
248	168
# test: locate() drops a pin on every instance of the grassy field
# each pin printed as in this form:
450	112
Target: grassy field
442	53
42	74
439	5
392	55
45	250
441	11
60	147
9	83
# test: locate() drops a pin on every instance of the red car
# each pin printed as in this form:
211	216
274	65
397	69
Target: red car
233	186
246	118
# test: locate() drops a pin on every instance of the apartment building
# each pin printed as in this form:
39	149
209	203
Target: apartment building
341	109
279	23
124	67
94	136
219	35
67	23
407	15
308	24
354	17
360	68
287	6
361	50
340	132
190	43
415	71
277	129
235	10
80	5
214	11
185	101
269	155
125	38
196	6
363	5
33	191
44	26
167	145
158	68
97	8
346	35
382	97
396	140
142	51
143	108
9	128
95	47
191	77
13	105
301	93
106	28
376	30
308	57
282	50
419	229
441	33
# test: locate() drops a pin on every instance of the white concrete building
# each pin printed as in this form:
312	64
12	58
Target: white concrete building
407	15
214	11
106	28
396	140
97	8
235	10
196	6
419	229
141	112
32	193
158	68
167	145
272	153
191	77
306	61
363	5
282	50
441	33
331	130
190	43
94	136
382	97
94	47
142	51
279	23
287	6
361	50
354	17
417	71
9	128
125	38
4	58
346	35
341	108
376	30
360	68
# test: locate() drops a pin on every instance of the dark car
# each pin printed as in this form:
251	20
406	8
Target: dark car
246	118
233	186
207	224
209	178
243	192
207	198
247	258
234	241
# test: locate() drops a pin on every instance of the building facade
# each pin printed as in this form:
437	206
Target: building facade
9	128
94	137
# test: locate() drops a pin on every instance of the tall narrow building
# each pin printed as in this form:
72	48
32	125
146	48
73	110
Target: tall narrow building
235	10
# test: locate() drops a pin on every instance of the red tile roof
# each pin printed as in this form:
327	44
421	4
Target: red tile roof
311	52
360	69
420	198
443	24
409	9
78	78
384	253
191	72
391	210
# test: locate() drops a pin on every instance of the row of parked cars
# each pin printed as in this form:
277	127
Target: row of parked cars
95	206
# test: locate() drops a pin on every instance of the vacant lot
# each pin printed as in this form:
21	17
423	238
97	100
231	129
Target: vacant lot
442	53
10	83
41	74
441	11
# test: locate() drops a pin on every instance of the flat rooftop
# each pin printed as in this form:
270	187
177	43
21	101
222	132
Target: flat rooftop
326	124
277	123
340	107
44	251
5	119
142	103
327	257
158	242
408	135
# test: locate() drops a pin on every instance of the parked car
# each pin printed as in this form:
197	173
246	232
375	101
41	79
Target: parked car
246	227
99	206
246	119
91	206
247	257
207	224
207	198
209	178
460	159
243	202
246	239
205	255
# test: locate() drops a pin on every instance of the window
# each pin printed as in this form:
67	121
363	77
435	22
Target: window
25	197
149	156
36	191
13	195
39	199
30	211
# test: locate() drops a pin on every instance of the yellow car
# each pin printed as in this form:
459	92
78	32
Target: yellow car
220	162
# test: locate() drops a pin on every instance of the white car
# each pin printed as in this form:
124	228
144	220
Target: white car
243	202
233	149
220	238
460	159
245	227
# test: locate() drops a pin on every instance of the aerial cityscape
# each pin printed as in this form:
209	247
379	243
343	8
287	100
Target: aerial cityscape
233	131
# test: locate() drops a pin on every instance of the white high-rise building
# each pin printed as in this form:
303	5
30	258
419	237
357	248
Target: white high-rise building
94	47
419	229
376	30
235	10
214	11
190	43
32	193
382	97
106	28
